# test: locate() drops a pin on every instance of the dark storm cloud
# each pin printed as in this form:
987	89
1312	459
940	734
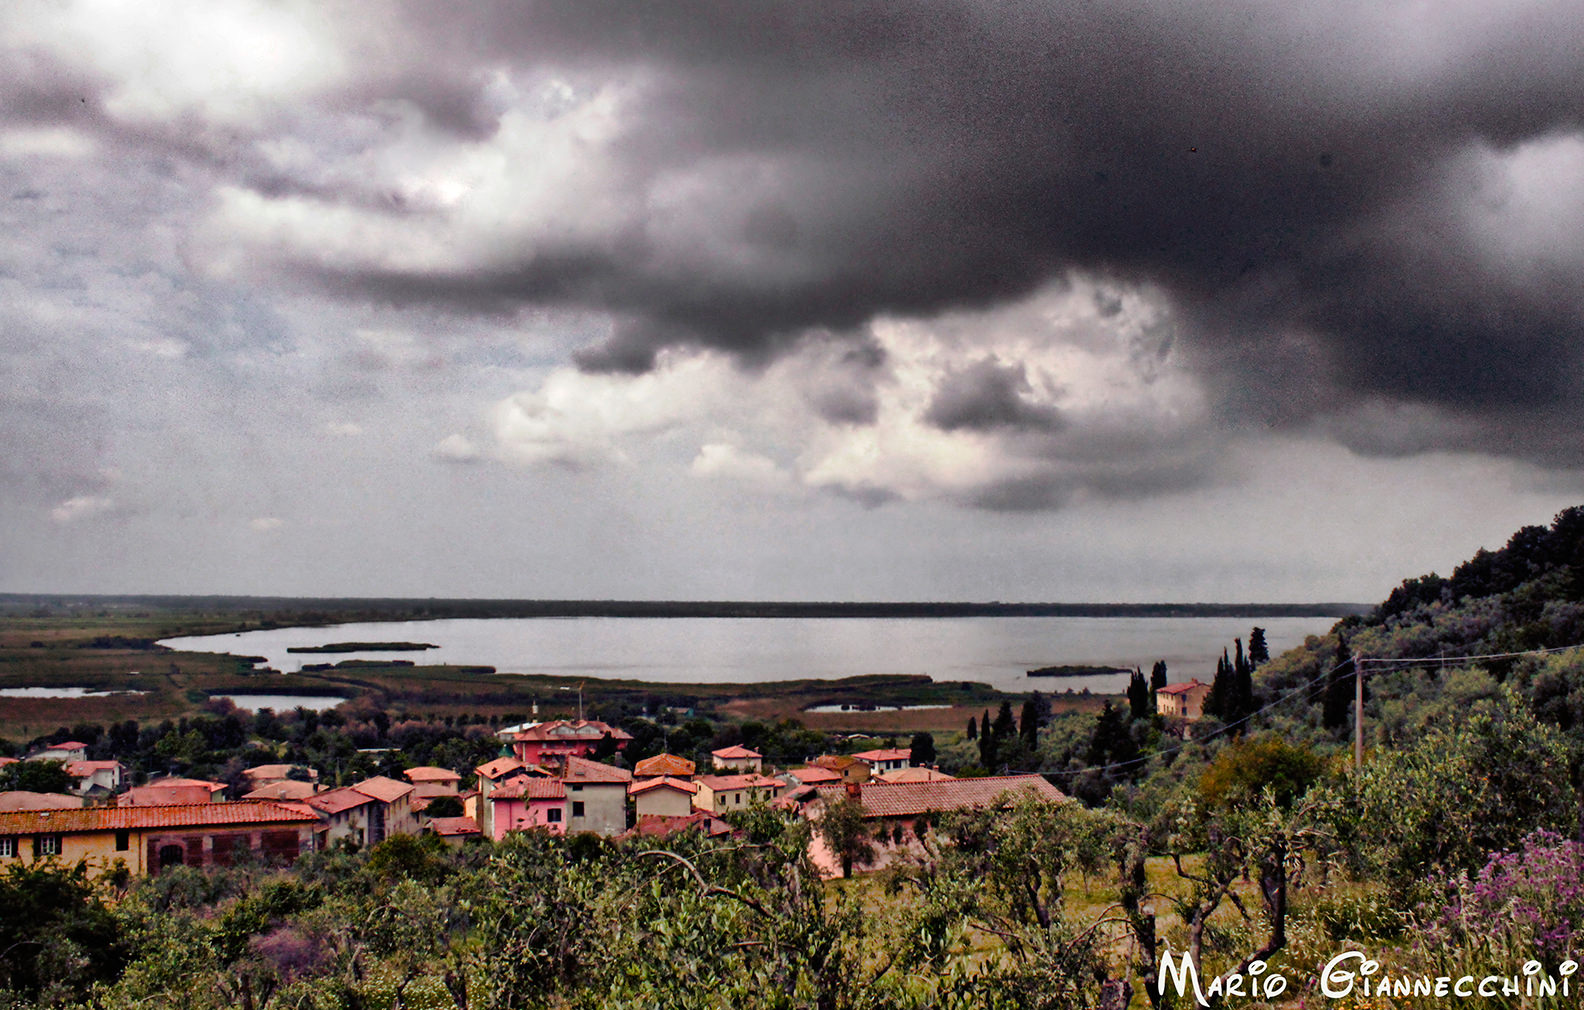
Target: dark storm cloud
1276	170
987	395
1294	177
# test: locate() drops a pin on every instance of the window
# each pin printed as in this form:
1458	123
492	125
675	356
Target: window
123	840
554	816
47	845
7	848
577	808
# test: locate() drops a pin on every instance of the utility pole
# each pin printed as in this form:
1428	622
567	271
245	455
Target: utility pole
1358	712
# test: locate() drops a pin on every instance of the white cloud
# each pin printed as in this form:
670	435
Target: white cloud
81	507
456	448
1118	415
724	460
265	524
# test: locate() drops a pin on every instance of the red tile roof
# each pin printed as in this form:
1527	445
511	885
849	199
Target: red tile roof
835	762
735	753
453	826
190	815
815	776
65	745
531	788
277	772
915	775
498	767
83	769
885	754
907	799
664	782
21	799
336	801
570	730
428	773
289	789
383	789
1180	688
658	826
664	764
586	772
173	782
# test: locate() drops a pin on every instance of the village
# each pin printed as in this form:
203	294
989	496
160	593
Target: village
546	779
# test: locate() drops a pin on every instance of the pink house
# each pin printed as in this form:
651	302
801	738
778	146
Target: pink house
527	802
563	738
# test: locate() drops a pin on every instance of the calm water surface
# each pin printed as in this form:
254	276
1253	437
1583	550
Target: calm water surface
992	650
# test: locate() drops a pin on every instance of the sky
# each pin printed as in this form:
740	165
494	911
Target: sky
1122	300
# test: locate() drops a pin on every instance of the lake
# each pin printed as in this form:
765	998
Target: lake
992	650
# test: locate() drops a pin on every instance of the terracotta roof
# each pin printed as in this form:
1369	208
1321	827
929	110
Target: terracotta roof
383	789
498	767
21	799
664	782
658	826
428	773
885	754
1180	688
289	789
172	782
336	801
814	776
570	730
10	761
584	771
835	762
82	769
734	752
915	775
906	799
453	826
720	782
66	745
531	788
123	818
664	764
430	790
277	772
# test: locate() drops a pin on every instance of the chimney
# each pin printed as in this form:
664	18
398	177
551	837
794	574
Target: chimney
854	790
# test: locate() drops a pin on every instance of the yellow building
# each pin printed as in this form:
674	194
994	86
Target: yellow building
663	797
148	839
721	793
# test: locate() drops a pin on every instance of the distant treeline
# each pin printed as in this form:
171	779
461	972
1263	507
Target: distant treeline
297	610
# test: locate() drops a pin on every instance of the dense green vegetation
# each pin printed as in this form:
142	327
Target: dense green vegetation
1248	835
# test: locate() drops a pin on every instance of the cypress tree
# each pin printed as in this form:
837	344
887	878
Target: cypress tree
973	729
1028	724
1138	695
1259	652
1158	675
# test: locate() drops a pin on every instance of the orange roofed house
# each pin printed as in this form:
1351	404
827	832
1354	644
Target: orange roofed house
721	793
564	738
149	839
896	813
1182	701
664	764
890	759
736	759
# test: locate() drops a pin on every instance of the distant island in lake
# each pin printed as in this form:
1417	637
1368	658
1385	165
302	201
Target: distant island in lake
365	647
1076	671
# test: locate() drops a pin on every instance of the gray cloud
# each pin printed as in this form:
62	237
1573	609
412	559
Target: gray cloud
987	395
